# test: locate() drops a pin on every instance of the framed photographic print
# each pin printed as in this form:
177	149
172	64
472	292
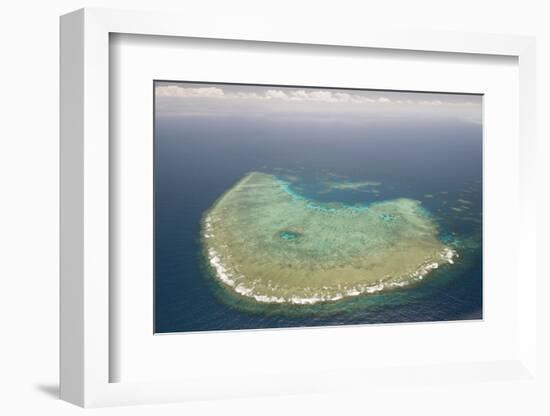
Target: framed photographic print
269	212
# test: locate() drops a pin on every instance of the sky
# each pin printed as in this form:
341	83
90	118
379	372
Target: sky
202	100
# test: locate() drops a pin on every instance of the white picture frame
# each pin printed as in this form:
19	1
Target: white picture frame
85	201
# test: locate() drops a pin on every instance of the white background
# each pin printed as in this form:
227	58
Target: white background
29	207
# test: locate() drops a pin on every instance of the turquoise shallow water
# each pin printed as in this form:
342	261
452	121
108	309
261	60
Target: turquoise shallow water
439	165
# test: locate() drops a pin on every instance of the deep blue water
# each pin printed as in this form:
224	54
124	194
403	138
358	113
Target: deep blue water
196	161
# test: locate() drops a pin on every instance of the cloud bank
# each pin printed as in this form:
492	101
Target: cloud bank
186	100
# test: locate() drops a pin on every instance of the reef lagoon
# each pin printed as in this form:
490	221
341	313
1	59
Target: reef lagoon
265	241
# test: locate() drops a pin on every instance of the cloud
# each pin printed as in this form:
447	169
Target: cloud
431	102
277	94
193	100
176	91
270	94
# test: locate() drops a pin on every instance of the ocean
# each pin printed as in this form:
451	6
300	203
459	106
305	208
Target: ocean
437	162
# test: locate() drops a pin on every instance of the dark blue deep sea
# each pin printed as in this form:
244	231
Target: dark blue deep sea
437	163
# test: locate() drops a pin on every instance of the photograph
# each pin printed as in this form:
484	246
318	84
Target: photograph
275	208
280	206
